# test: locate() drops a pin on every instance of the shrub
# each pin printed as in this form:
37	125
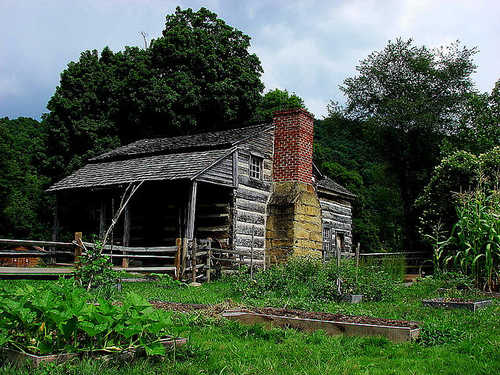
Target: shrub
64	319
316	281
95	271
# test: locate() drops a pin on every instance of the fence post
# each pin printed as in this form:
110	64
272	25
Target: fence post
177	262
193	260
251	253
339	289
185	247
357	262
209	257
78	248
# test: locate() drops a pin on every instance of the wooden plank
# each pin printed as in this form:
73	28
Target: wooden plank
78	248
35	270
20	254
219	228
254	183
253	206
138	256
333	328
35	243
396	253
145	269
191	210
235	168
126	233
102	219
134	249
251	195
55	227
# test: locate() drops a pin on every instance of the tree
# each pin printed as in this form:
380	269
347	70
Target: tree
479	125
23	204
197	76
459	172
276	100
415	95
351	152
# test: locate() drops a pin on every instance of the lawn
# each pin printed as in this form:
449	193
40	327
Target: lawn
453	341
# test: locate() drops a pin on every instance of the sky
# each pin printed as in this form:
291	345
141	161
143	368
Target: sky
305	46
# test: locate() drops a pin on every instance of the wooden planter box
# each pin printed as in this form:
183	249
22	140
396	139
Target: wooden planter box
456	304
16	357
392	332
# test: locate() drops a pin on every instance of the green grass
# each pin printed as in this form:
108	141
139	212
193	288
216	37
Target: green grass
455	341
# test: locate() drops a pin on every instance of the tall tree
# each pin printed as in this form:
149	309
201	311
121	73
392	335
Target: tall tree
352	153
479	124
276	100
23	205
416	95
198	75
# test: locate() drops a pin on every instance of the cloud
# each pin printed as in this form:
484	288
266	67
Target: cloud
306	46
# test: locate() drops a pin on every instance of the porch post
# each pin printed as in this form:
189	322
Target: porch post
191	210
55	227
126	233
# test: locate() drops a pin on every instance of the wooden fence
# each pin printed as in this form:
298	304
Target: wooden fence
416	262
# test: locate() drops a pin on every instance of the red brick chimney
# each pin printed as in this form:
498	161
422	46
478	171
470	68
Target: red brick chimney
293	145
293	225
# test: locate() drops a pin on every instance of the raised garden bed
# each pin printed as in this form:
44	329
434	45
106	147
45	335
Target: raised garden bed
456	303
332	324
17	357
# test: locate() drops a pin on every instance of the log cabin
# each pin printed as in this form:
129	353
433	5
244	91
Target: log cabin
254	187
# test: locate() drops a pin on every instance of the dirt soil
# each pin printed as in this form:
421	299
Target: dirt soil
218	309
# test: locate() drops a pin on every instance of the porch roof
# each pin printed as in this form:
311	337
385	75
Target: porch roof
178	166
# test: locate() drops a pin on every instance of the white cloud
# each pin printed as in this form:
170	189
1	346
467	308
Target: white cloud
306	46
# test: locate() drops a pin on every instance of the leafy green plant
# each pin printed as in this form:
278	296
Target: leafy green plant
475	239
312	280
95	271
65	319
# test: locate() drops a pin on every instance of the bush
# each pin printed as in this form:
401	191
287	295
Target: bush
65	319
95	271
316	281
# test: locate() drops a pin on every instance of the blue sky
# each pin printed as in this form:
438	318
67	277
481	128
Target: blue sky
308	47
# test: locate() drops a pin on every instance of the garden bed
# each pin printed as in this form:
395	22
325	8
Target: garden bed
456	303
18	357
332	324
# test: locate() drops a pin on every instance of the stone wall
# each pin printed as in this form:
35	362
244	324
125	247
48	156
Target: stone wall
293	226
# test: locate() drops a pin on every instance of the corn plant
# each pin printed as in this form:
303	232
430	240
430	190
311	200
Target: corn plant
476	237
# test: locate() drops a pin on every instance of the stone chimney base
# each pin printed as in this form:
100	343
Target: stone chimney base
293	226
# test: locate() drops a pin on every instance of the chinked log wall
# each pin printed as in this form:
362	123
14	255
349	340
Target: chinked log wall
336	214
250	199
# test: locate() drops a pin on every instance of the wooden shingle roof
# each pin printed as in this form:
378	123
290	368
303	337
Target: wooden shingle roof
149	168
204	141
326	183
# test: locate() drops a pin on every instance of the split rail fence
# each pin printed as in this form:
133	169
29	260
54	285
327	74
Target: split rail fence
194	260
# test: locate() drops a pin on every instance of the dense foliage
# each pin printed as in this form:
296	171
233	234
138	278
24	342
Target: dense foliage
474	245
197	76
414	94
276	100
311	280
24	207
351	152
459	172
64	319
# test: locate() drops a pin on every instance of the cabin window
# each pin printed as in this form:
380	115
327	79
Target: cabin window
326	240
255	167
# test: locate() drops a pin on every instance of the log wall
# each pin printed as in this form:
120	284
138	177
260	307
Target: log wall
336	215
251	196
